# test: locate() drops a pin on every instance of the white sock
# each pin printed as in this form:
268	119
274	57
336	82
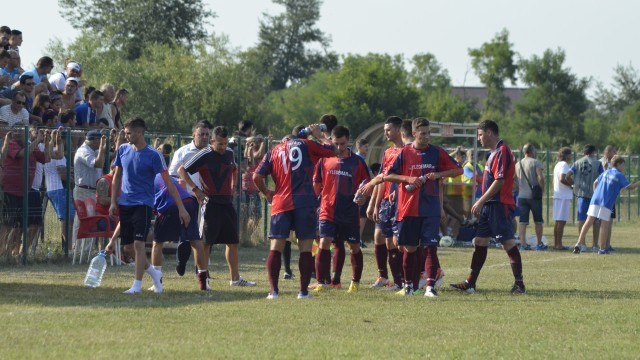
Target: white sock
202	271
156	276
159	268
137	285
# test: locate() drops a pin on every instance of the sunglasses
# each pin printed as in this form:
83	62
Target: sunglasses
20	102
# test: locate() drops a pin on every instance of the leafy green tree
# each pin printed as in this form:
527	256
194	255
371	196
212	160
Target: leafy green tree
625	133
428	74
287	42
625	91
131	25
493	63
555	104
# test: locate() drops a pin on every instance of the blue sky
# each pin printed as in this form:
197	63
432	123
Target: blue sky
596	35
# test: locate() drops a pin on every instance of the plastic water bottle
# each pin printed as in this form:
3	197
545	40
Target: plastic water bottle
411	187
307	131
96	270
359	195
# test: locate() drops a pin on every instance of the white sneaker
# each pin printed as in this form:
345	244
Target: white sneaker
132	291
301	296
431	292
272	295
241	282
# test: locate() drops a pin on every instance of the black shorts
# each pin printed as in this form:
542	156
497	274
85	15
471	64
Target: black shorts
363	209
14	208
219	224
169	228
135	221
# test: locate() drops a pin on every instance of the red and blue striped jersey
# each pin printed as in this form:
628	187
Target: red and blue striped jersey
291	165
500	165
387	161
340	179
425	201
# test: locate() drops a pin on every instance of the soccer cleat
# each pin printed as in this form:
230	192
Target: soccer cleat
321	288
391	287
406	291
353	287
314	285
302	296
272	295
542	247
241	282
132	291
576	249
518	288
439	279
287	275
380	282
465	287
525	247
181	268
431	292
203	280
603	252
610	248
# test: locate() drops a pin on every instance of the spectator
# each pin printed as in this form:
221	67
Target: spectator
57	184
251	210
56	101
68	97
109	94
86	112
330	121
13	66
583	173
245	128
530	174
39	73
103	124
72	70
15	41
41	103
165	150
5	35
5	78
122	97
25	85
67	119
87	93
15	113
606	161
50	118
562	196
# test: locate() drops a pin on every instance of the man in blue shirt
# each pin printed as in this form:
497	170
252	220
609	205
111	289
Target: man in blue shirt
86	111
137	165
607	188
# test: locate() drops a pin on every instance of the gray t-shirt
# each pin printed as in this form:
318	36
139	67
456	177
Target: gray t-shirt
530	167
585	171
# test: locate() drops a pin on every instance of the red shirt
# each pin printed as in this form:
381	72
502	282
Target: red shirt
424	201
387	161
291	165
13	169
500	165
340	179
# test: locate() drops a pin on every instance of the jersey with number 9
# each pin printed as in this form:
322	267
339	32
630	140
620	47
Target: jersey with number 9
291	165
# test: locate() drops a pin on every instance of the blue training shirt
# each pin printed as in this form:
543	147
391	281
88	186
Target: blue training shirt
164	200
139	169
610	183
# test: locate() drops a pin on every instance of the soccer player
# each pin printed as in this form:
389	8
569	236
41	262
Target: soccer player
337	179
218	173
607	188
169	228
494	209
137	165
291	165
420	166
382	210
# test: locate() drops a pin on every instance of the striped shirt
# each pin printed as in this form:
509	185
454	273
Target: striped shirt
51	177
21	118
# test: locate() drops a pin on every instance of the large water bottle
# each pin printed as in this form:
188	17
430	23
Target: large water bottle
307	131
410	187
358	194
96	270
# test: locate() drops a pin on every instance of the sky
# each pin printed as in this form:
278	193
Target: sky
595	35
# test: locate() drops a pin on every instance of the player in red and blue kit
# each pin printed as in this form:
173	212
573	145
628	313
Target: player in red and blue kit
293	202
337	180
382	210
494	209
418	168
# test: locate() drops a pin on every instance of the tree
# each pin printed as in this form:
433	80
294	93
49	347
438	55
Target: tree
555	104
493	63
285	42
428	74
625	92
131	25
625	134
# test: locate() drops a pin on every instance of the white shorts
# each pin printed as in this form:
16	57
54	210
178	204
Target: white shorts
561	209
599	212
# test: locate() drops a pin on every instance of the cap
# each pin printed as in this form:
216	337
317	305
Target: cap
74	66
75	79
93	135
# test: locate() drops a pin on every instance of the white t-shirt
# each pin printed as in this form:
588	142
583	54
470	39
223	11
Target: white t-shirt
560	190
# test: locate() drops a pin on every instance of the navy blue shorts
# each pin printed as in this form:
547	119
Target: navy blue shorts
496	220
583	207
169	228
363	209
303	221
387	215
340	231
415	231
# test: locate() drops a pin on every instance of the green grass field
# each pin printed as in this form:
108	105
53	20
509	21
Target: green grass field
576	306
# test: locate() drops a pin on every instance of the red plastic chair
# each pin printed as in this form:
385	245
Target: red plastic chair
89	220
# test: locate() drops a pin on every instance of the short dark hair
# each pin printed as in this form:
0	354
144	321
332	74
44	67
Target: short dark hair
220	131
96	94
564	153
166	148
67	115
329	120
16	32
136	123
617	160
296	131
44	61
528	149
396	121
362	142
418	122
48	115
88	91
406	128
340	131
24	78
19	93
5	30
245	125
489	125
589	149
201	124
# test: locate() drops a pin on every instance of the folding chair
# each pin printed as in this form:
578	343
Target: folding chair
93	226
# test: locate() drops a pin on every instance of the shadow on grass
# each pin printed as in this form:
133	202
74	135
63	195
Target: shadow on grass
55	295
541	295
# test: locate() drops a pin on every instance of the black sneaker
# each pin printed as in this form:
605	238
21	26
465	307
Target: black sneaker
518	288
465	287
287	276
363	245
180	269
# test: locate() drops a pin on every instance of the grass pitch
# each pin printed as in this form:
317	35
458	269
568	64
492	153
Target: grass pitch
576	306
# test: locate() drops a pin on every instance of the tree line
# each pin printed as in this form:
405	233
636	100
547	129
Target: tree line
179	73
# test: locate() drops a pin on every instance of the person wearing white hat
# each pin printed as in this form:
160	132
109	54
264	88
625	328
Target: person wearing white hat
72	70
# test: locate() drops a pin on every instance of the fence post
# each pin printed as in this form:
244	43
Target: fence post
67	194
548	184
